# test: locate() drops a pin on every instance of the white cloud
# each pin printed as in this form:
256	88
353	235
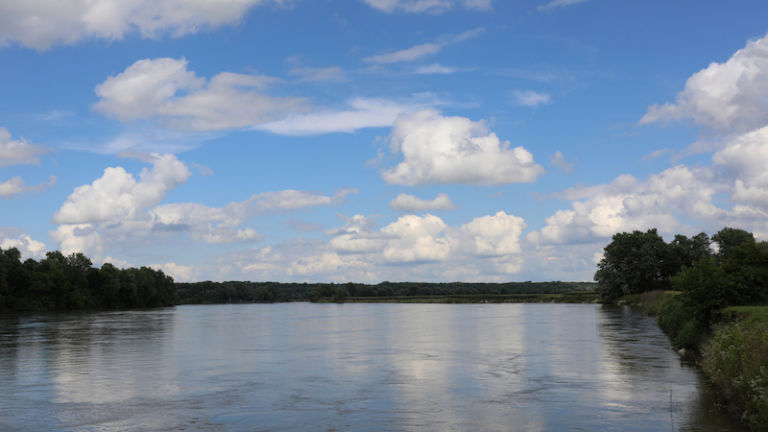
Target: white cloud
179	273
627	204
17	152
39	24
410	248
326	74
745	159
417	238
406	55
287	200
117	194
656	154
410	203
556	4
436	69
558	160
164	89
428	6
16	186
356	236
363	113
28	247
427	238
438	149
726	96
493	235
530	98
420	51
119	211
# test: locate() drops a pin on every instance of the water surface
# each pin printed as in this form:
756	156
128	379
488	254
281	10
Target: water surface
357	367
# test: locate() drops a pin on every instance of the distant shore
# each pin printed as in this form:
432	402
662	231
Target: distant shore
566	297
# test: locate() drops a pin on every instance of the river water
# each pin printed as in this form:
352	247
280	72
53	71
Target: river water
348	367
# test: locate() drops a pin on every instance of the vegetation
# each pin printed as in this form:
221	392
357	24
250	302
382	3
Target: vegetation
736	360
712	310
59	283
455	292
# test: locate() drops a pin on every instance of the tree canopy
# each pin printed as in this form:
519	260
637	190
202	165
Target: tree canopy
61	282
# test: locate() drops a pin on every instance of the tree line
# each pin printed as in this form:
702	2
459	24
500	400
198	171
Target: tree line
263	292
61	282
729	269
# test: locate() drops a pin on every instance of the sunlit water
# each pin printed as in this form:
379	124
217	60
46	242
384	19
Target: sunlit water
357	367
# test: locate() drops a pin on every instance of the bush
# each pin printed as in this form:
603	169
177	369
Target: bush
736	361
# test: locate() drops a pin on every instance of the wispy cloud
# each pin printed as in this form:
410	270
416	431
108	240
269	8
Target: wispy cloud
420	51
556	4
325	74
559	161
428	6
436	69
360	113
530	98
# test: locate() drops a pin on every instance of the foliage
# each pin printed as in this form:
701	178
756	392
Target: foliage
678	321
635	262
729	238
736	361
266	292
59	282
715	292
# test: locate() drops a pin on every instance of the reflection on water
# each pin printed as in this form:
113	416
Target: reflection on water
369	367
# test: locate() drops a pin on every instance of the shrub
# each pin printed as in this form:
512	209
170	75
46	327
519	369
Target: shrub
736	361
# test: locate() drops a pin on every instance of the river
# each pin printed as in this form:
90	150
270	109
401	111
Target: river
348	367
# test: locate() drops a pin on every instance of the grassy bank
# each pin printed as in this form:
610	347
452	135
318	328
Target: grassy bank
735	360
732	354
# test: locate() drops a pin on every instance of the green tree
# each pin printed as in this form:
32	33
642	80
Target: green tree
729	238
633	263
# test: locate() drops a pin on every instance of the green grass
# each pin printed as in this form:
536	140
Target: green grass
759	314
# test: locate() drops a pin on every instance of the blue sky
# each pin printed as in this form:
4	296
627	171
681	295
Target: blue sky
371	140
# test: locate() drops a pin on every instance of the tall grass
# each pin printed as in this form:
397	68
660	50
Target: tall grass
735	359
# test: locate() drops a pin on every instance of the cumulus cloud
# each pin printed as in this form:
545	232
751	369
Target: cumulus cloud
493	235
417	238
420	51
428	6
362	113
628	204
556	4
17	152
28	247
166	90
117	194
413	247
39	24
439	149
410	203
120	210
427	238
744	159
16	186
727	96
530	98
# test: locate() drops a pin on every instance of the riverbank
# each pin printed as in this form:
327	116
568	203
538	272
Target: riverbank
566	297
733	355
